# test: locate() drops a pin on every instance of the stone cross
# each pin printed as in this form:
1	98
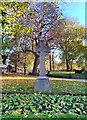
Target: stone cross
42	82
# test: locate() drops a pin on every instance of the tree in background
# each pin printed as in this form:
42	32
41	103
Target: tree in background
46	20
12	28
71	43
22	18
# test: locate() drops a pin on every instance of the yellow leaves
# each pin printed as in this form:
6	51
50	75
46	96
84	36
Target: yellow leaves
53	2
46	0
1	8
19	28
28	29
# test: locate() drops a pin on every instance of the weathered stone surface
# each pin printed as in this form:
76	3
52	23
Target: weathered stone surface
42	84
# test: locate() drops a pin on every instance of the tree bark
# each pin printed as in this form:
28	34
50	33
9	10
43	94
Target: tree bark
15	66
36	63
24	63
67	64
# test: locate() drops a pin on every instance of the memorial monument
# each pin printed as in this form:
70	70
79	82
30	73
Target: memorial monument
42	82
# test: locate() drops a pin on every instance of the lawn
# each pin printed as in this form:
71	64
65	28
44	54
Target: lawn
67	100
68	74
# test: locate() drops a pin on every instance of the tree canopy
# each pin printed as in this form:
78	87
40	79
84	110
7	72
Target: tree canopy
24	22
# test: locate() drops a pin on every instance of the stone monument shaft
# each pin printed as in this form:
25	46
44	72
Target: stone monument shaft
42	59
42	82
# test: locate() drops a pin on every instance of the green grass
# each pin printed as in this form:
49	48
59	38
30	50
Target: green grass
58	87
67	100
68	74
45	117
69	87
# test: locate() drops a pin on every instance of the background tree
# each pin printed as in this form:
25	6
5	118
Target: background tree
40	18
71	43
12	28
45	21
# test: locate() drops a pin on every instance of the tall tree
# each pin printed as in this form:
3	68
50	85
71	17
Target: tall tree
12	28
46	20
71	43
40	18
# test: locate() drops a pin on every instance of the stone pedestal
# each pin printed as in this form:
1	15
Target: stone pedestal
42	84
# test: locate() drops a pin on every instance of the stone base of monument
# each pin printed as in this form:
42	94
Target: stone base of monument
42	84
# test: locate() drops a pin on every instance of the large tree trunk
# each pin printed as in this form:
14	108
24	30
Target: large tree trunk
15	66
67	60
36	63
16	61
67	64
24	63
